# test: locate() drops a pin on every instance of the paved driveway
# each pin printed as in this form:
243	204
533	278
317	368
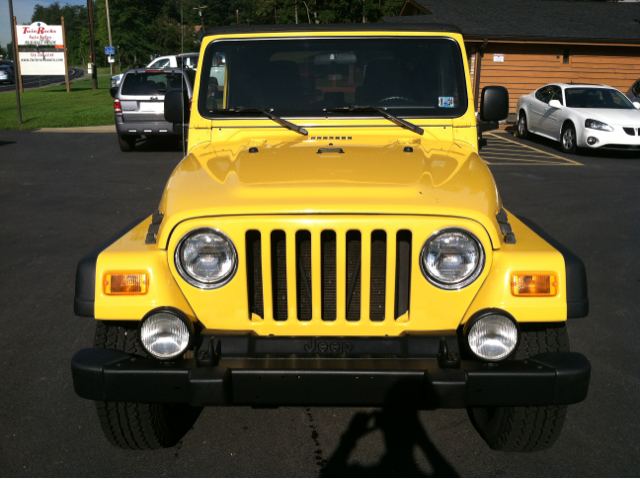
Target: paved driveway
61	194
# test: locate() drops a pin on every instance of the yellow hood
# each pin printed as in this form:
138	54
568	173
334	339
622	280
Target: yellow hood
442	178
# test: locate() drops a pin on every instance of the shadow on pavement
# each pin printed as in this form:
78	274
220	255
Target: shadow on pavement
3	143
402	432
159	144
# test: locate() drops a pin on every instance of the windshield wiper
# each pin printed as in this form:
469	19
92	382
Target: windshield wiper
276	118
382	111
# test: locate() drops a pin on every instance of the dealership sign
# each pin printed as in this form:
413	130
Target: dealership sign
42	63
47	58
39	34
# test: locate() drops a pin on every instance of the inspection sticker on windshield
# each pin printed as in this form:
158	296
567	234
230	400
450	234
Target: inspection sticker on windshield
446	101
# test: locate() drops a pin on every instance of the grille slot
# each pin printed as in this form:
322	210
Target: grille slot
378	275
279	275
403	272
303	275
329	275
630	131
354	256
254	273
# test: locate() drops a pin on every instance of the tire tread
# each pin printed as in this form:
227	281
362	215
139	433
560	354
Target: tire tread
131	425
534	428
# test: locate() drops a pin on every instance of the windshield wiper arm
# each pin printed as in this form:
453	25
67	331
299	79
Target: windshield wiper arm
276	118
382	111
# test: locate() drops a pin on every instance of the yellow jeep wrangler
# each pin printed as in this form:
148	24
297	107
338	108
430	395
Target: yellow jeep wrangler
332	238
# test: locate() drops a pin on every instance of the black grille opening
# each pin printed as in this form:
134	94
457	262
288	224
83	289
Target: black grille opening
630	131
279	274
329	275
303	275
354	255
403	272
254	273
378	275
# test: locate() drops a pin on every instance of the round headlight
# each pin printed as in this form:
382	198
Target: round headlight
165	335
206	258
493	337
452	258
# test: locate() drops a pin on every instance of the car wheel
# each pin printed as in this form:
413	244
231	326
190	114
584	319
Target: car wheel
568	139
127	143
525	429
523	131
131	425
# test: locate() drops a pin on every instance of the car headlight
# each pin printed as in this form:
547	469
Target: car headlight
206	258
452	258
493	336
597	125
165	335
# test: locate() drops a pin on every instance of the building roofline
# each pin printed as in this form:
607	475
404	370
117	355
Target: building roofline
335	27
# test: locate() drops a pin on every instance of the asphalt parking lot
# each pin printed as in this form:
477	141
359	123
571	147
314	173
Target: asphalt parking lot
62	194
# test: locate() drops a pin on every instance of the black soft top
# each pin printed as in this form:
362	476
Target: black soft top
335	27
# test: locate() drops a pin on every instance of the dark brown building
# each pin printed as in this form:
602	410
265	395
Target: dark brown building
528	43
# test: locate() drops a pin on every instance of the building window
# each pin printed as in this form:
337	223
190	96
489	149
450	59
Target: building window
565	56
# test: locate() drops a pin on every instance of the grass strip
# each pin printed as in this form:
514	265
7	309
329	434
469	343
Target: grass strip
53	107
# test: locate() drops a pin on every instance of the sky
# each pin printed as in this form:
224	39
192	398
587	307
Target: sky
23	9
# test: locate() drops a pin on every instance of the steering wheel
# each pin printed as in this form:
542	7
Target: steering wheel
396	97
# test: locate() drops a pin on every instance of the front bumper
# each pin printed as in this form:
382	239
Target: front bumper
617	139
545	379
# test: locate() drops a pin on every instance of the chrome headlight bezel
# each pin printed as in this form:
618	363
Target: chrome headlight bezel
458	284
479	317
195	281
179	315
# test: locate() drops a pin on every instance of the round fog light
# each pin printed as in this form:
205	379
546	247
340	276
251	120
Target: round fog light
592	141
493	337
165	335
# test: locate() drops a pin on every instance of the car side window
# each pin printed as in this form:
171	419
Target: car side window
160	63
544	94
556	94
636	89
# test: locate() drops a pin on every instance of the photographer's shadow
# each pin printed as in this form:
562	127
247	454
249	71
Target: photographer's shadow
402	432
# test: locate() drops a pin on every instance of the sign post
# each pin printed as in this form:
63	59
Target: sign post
66	60
15	59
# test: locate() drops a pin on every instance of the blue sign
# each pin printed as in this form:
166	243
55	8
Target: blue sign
109	51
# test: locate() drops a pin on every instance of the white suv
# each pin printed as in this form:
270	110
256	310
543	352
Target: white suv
189	60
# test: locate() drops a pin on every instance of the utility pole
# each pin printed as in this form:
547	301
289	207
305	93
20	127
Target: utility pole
295	6
94	72
201	17
112	64
16	58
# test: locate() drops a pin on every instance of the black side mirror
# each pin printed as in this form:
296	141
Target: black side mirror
114	91
176	106
494	103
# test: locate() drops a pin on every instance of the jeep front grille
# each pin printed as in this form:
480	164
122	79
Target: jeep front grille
306	266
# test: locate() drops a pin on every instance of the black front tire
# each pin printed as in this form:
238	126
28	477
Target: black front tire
525	429
568	139
127	143
131	425
523	129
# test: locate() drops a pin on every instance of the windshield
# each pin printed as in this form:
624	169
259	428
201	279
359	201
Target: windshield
415	77
151	83
597	98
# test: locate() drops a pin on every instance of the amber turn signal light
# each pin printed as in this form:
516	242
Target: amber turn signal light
126	283
534	284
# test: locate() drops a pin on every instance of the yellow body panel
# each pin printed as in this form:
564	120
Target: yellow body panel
531	254
130	253
376	185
